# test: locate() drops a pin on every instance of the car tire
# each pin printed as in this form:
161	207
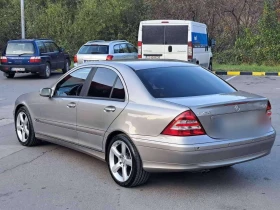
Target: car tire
66	66
46	72
9	75
210	67
124	162
24	128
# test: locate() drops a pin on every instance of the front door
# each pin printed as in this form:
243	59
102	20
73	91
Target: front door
58	114
103	102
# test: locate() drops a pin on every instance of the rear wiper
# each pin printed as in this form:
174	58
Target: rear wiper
25	54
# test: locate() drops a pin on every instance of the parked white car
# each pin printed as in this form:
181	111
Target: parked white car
100	50
175	39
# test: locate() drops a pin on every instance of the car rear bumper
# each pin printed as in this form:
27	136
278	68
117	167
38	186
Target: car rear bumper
162	157
28	68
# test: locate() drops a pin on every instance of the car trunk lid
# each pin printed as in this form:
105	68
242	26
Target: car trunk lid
230	115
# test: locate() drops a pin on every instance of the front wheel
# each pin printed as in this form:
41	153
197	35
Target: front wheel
24	128
9	75
124	162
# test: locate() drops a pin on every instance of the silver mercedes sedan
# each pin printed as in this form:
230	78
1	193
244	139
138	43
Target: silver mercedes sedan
148	116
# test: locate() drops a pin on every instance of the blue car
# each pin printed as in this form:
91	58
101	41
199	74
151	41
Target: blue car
33	56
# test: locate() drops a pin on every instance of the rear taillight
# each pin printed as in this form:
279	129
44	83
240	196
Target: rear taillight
139	49
109	57
75	59
186	124
35	60
4	59
190	51
268	110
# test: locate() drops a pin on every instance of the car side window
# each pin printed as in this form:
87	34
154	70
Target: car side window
118	91
48	47
72	84
132	49
54	47
117	48
106	84
125	48
41	47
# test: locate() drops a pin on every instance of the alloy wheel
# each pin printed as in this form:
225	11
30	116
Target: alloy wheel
22	127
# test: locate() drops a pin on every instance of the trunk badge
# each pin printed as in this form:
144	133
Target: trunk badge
237	108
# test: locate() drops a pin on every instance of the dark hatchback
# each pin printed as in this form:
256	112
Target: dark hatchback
33	56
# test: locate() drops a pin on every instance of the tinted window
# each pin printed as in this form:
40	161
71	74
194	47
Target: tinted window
41	47
117	48
50	47
132	49
72	84
54	47
153	34
102	83
94	49
176	35
170	82
17	48
118	91
124	48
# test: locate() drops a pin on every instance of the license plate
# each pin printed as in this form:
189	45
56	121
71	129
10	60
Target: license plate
18	69
153	57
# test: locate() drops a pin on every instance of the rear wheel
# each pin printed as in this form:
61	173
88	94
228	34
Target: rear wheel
9	75
124	162
47	71
24	128
66	66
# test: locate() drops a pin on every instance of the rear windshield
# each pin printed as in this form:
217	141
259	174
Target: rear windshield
171	82
94	49
169	35
20	48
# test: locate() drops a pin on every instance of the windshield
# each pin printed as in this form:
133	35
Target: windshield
171	82
94	49
20	48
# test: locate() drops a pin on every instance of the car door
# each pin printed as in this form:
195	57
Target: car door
176	42
133	52
105	99
59	56
124	52
58	113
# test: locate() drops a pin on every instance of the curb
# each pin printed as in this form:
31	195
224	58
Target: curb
238	73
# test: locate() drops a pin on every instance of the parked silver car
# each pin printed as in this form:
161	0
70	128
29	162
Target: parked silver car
148	116
100	50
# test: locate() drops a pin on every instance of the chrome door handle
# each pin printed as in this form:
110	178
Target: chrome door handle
71	105
109	109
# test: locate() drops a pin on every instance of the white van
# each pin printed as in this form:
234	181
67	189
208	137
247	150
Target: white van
175	39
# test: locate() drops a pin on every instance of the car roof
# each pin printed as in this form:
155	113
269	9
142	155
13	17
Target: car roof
102	42
141	64
28	40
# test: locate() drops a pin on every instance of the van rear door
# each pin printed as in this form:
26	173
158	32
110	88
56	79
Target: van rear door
153	41
176	42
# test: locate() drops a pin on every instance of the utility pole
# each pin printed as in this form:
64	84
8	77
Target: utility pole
22	19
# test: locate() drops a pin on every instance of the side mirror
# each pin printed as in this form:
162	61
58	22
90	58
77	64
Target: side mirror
46	92
61	49
213	42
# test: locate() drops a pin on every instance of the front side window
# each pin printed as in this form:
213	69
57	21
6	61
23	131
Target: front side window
132	49
20	48
72	84
106	84
124	48
172	82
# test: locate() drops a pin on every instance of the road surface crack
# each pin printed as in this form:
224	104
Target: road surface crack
24	163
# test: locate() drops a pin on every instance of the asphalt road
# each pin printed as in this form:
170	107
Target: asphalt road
54	177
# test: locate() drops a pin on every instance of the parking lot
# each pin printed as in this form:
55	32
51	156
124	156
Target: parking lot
54	177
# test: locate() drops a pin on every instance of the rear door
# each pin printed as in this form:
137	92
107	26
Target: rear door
176	42
153	41
52	52
103	102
